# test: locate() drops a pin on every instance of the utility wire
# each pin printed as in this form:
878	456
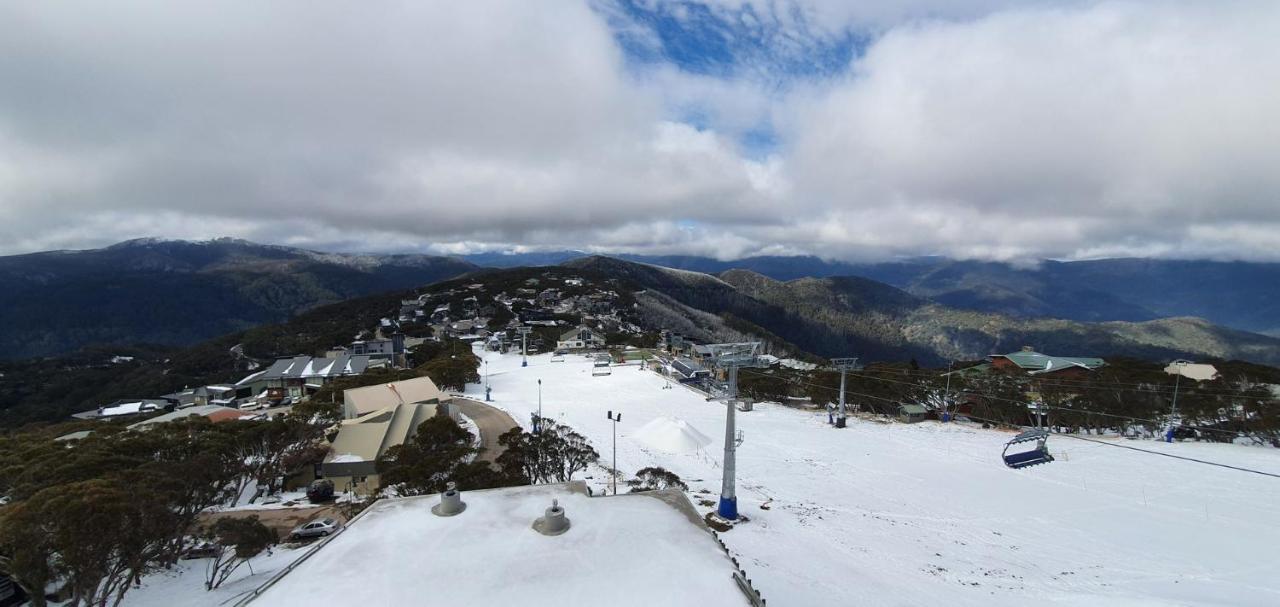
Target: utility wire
1140	450
1050	407
1091	440
1079	383
999	398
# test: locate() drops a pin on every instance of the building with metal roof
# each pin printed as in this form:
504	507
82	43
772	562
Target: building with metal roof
215	413
1035	363
352	463
298	376
360	401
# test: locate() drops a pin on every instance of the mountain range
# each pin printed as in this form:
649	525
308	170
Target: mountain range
179	293
1239	295
854	316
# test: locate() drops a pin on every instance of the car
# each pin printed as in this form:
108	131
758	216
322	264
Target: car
316	528
202	550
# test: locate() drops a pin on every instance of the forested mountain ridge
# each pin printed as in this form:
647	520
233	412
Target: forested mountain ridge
179	293
857	316
1237	294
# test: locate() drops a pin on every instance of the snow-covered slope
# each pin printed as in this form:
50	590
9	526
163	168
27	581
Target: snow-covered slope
926	514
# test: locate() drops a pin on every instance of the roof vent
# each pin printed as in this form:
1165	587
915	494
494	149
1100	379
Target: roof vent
554	522
450	502
1028	349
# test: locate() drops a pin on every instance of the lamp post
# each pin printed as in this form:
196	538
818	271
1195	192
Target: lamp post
487	387
539	428
615	420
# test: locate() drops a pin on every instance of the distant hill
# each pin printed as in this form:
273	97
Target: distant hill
1240	295
179	293
836	316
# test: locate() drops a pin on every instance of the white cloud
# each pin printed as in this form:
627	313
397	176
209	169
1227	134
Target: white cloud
1053	132
977	129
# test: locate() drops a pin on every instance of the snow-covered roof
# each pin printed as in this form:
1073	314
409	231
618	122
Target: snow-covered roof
399	553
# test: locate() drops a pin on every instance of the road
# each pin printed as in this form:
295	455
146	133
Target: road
283	520
493	422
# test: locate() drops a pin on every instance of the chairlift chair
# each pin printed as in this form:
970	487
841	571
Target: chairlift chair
601	366
1039	454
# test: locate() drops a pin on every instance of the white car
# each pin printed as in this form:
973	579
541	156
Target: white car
316	528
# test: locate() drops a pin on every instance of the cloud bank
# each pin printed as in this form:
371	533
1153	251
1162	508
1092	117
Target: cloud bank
988	130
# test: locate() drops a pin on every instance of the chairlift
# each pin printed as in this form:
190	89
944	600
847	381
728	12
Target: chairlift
601	367
1039	454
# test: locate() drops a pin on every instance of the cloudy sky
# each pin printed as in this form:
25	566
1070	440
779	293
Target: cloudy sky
971	128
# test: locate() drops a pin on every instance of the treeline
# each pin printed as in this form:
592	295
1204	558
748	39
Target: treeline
1126	396
44	390
442	452
94	515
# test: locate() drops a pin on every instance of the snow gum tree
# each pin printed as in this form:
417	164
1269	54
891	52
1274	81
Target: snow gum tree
238	540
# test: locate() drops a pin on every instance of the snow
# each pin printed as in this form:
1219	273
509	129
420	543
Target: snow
673	435
623	550
926	514
122	409
184	584
346	458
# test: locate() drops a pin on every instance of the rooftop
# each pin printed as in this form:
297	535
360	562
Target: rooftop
215	413
1035	362
398	553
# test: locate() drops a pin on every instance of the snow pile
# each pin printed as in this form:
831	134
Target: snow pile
673	435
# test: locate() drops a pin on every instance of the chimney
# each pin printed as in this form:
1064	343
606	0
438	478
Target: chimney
450	502
553	522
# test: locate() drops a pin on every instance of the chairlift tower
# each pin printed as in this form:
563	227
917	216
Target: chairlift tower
524	345
731	357
844	365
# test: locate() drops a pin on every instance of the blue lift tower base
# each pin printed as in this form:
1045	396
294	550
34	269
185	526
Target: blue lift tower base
728	509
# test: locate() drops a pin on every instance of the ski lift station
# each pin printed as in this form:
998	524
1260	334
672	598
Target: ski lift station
536	545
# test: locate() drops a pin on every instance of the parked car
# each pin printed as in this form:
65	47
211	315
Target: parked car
320	490
316	528
202	550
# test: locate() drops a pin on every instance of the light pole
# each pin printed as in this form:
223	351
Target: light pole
615	420
539	428
487	387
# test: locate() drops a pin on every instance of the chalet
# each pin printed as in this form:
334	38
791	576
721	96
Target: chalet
1190	370
1030	362
391	348
126	408
214	413
220	395
581	338
299	376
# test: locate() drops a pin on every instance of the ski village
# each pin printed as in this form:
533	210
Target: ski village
562	436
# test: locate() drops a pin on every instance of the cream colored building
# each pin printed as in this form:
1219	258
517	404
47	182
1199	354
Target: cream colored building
379	418
1190	370
361	401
